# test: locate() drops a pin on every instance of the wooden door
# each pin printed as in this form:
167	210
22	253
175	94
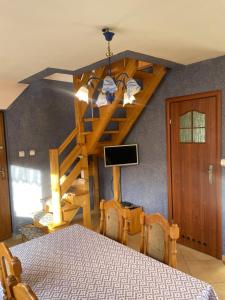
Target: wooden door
194	142
5	216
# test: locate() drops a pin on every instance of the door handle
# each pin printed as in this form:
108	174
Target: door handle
210	172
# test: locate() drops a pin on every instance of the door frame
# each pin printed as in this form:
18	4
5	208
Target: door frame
218	95
7	170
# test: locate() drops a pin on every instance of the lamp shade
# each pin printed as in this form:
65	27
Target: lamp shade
127	99
82	94
101	101
109	85
132	87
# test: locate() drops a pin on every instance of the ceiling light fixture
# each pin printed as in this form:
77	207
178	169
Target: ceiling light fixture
110	84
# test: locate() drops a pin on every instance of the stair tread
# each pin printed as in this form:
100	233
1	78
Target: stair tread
78	182
106	143
69	207
105	132
43	218
91	119
127	105
118	105
118	119
142	75
78	193
112	119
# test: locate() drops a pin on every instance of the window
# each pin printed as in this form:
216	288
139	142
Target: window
192	127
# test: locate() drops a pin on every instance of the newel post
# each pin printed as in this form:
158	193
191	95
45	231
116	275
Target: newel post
55	186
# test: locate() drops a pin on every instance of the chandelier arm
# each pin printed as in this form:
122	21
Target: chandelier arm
93	78
118	82
122	74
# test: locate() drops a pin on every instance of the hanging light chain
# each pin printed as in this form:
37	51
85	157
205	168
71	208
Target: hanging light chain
109	53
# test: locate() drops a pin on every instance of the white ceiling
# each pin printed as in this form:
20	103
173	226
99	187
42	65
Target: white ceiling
35	34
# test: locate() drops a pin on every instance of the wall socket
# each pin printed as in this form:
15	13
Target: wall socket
222	162
32	152
21	153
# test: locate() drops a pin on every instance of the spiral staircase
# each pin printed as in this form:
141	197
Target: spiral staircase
72	163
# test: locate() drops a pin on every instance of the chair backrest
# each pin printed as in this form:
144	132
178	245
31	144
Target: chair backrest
22	291
18	290
114	220
158	238
9	266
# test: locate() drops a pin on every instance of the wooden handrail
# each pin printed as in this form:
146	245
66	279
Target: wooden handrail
68	140
71	177
67	162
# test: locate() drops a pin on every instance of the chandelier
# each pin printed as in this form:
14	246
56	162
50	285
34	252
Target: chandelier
109	85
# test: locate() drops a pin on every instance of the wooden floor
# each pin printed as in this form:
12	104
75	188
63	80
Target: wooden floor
190	261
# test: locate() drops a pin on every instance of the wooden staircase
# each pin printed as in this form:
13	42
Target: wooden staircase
69	164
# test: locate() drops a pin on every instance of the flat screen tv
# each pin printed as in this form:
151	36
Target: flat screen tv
121	155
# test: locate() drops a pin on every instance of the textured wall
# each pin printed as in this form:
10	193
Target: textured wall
146	184
39	119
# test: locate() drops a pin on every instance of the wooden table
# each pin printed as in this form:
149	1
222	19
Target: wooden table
76	263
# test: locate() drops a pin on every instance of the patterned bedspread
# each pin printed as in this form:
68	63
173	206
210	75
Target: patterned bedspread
76	263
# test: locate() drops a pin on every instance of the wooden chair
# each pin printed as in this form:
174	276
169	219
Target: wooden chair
158	238
20	291
9	266
114	221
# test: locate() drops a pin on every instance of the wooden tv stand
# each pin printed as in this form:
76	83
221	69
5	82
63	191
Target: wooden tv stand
134	213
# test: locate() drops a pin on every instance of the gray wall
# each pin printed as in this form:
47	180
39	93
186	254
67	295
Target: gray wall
146	184
39	119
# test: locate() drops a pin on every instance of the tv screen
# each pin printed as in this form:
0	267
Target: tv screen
121	155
